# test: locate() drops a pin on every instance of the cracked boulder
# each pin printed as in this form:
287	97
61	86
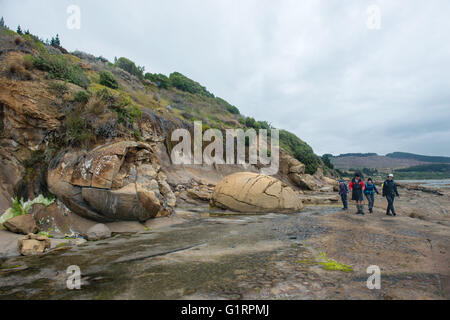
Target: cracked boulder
253	192
113	182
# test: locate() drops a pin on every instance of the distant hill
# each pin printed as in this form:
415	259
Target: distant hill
378	162
418	157
358	155
395	160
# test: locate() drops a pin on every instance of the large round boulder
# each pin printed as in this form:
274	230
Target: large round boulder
113	182
253	192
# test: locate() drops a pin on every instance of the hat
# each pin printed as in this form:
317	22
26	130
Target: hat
390	175
341	181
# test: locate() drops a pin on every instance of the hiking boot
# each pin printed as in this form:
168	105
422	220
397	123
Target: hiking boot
388	214
370	210
394	214
362	209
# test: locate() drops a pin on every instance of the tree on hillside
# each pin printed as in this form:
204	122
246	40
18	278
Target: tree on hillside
55	42
19	30
2	23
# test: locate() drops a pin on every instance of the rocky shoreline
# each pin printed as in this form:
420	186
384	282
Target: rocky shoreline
267	256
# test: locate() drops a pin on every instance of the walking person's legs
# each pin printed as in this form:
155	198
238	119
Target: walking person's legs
344	201
390	205
368	200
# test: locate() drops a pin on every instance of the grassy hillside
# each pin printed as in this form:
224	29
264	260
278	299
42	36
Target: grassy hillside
105	100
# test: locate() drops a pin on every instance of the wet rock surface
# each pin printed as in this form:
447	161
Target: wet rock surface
207	254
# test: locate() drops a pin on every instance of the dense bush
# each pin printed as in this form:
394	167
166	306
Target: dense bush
59	67
229	107
127	112
76	131
300	150
107	79
130	67
161	80
327	162
250	122
60	88
82	97
183	83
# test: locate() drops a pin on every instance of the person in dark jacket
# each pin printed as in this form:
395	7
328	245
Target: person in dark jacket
369	192
390	191
343	191
357	186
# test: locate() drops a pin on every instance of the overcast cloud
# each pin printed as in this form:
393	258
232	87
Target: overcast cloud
311	67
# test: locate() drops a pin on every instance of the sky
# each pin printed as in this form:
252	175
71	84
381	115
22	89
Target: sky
344	76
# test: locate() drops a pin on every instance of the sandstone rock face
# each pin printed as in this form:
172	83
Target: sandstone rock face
289	164
252	192
33	244
98	232
27	114
114	182
23	224
202	193
304	181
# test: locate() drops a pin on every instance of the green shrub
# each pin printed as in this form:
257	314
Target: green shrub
59	67
59	87
76	133
130	67
107	79
183	83
82	97
126	111
161	80
300	150
229	107
134	113
19	207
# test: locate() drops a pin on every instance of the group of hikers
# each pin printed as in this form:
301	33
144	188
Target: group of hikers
359	189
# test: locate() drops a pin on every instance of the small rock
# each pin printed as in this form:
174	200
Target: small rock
98	232
33	244
23	224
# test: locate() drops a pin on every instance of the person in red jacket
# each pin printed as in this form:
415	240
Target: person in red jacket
357	187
